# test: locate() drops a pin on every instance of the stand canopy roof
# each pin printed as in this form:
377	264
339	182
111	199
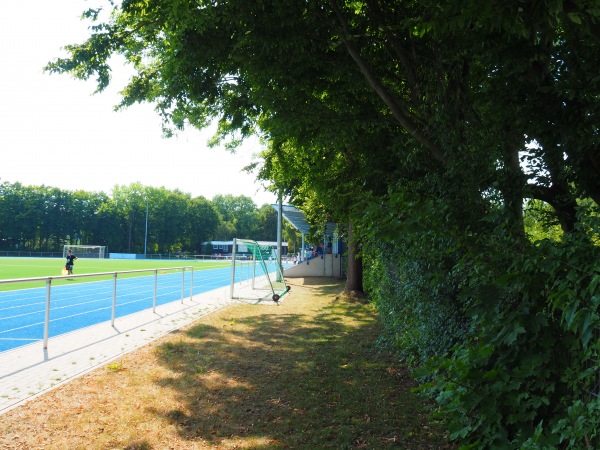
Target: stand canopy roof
298	220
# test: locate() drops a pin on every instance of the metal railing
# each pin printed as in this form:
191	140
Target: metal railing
114	275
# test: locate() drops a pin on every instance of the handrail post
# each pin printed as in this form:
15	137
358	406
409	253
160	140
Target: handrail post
114	300
182	283
254	268
47	315
155	287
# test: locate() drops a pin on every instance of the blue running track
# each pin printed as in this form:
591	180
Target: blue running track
80	305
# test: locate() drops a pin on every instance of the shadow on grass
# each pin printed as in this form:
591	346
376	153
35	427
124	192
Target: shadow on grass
306	378
142	445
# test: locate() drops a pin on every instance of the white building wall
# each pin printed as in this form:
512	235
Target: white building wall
328	266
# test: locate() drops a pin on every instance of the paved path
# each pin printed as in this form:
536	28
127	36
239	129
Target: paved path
29	371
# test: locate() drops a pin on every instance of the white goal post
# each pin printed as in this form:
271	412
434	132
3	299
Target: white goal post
255	275
86	251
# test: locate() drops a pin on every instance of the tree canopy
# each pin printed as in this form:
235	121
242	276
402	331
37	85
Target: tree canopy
425	127
43	219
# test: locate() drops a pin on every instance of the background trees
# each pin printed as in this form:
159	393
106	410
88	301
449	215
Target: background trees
43	219
237	213
424	127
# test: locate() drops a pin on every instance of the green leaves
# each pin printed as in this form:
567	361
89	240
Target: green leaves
508	335
574	17
532	354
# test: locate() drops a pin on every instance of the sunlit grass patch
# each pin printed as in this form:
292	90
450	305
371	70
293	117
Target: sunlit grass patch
306	374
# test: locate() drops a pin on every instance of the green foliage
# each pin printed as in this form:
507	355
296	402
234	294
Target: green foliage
239	215
266	226
40	218
420	314
116	366
526	375
540	222
504	335
202	223
44	218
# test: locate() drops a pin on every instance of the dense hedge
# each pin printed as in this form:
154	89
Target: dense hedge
507	344
421	315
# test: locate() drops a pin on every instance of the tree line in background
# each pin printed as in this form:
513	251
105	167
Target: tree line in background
458	141
43	219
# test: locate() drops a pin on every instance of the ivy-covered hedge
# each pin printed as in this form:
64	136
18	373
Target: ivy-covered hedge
420	312
508	344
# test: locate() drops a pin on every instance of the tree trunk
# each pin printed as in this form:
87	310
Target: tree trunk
354	281
513	191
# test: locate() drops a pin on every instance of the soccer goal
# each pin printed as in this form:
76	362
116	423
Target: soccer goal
255	273
86	251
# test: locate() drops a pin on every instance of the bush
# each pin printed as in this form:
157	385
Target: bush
417	305
526	376
502	332
504	335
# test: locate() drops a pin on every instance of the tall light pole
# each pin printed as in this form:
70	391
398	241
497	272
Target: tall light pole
146	235
279	232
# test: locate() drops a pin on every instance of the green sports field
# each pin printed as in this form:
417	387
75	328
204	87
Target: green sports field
13	268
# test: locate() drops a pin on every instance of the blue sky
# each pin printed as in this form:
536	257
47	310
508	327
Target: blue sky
55	132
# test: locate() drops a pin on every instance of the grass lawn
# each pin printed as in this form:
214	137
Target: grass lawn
13	268
305	375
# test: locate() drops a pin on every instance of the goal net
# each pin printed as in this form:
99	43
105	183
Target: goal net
255	272
86	251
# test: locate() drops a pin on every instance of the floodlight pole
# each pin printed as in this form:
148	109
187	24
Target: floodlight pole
233	256
146	235
279	231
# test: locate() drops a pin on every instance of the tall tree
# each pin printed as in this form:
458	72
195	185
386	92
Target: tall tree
130	205
168	219
202	223
110	227
9	205
266	224
239	212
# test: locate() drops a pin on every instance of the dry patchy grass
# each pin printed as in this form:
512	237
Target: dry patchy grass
304	374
